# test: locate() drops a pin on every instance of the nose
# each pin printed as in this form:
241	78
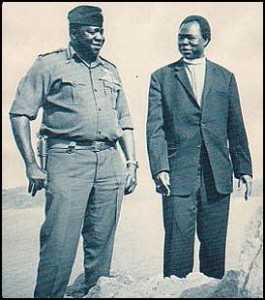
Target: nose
99	36
184	41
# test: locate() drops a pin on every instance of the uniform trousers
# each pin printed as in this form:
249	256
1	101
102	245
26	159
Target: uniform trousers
84	195
205	210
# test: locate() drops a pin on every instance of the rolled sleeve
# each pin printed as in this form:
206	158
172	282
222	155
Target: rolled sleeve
125	120
31	91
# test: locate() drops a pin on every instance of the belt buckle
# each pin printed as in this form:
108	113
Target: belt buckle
96	145
71	147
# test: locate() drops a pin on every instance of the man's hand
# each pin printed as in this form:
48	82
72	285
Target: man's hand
37	179
162	182
247	180
131	180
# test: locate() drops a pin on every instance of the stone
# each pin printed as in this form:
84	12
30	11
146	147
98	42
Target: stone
246	281
251	258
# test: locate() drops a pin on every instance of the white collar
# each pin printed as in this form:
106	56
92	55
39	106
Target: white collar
196	61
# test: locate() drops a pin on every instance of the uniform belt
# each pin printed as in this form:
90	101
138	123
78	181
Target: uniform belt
70	146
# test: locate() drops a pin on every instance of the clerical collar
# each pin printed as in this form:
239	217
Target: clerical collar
197	61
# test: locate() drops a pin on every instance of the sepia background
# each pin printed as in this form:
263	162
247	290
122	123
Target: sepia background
140	38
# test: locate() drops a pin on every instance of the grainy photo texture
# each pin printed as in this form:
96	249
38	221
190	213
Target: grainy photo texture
132	150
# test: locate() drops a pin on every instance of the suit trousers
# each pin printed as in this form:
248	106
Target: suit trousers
205	210
84	195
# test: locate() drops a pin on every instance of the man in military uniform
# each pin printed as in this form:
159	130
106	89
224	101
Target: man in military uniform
85	114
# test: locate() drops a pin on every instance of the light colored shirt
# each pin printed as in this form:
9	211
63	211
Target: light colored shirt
195	70
80	101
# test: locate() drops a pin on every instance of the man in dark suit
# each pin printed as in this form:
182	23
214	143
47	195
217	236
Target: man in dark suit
196	139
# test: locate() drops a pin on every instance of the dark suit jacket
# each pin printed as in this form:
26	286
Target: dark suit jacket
177	125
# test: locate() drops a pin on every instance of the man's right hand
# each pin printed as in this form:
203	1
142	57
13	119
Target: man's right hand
162	182
37	178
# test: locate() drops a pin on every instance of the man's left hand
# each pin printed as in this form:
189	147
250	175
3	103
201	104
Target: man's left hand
247	180
131	180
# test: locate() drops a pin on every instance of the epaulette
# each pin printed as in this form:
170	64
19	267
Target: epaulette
108	61
55	51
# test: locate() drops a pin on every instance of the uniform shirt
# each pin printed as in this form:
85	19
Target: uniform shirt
195	70
80	101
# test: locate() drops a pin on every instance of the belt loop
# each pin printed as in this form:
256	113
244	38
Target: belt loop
71	147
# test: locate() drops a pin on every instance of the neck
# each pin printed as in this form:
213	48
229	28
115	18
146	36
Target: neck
88	57
198	60
84	54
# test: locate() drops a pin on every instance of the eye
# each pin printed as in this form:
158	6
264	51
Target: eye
189	37
95	31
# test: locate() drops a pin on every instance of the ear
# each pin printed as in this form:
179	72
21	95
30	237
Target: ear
72	36
206	42
73	33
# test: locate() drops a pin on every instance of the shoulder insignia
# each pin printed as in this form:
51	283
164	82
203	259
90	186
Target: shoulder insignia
104	59
52	52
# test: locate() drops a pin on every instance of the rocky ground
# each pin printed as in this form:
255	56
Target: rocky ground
244	280
137	258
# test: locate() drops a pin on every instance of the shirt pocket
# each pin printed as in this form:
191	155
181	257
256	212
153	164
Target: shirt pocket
111	90
74	91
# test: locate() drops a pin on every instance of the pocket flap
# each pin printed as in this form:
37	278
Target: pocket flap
112	85
73	81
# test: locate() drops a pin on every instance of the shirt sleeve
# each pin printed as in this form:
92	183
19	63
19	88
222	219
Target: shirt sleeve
122	107
32	91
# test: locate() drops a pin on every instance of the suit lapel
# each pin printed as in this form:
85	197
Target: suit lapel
209	80
183	78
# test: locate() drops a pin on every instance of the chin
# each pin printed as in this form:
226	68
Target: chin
188	56
95	51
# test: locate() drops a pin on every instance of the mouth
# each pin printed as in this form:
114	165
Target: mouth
186	50
96	46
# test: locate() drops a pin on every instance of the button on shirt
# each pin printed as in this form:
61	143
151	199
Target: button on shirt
80	101
195	70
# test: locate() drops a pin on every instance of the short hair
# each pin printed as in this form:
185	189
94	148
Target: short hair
204	25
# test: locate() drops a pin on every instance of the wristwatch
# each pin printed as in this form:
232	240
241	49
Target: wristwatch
134	162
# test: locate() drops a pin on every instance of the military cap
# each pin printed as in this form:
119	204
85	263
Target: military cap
86	15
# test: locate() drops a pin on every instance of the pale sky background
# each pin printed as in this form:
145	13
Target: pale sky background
140	38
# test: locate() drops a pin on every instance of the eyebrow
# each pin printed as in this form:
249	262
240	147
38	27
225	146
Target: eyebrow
87	27
187	34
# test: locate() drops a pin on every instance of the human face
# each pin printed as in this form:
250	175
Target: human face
89	39
190	41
